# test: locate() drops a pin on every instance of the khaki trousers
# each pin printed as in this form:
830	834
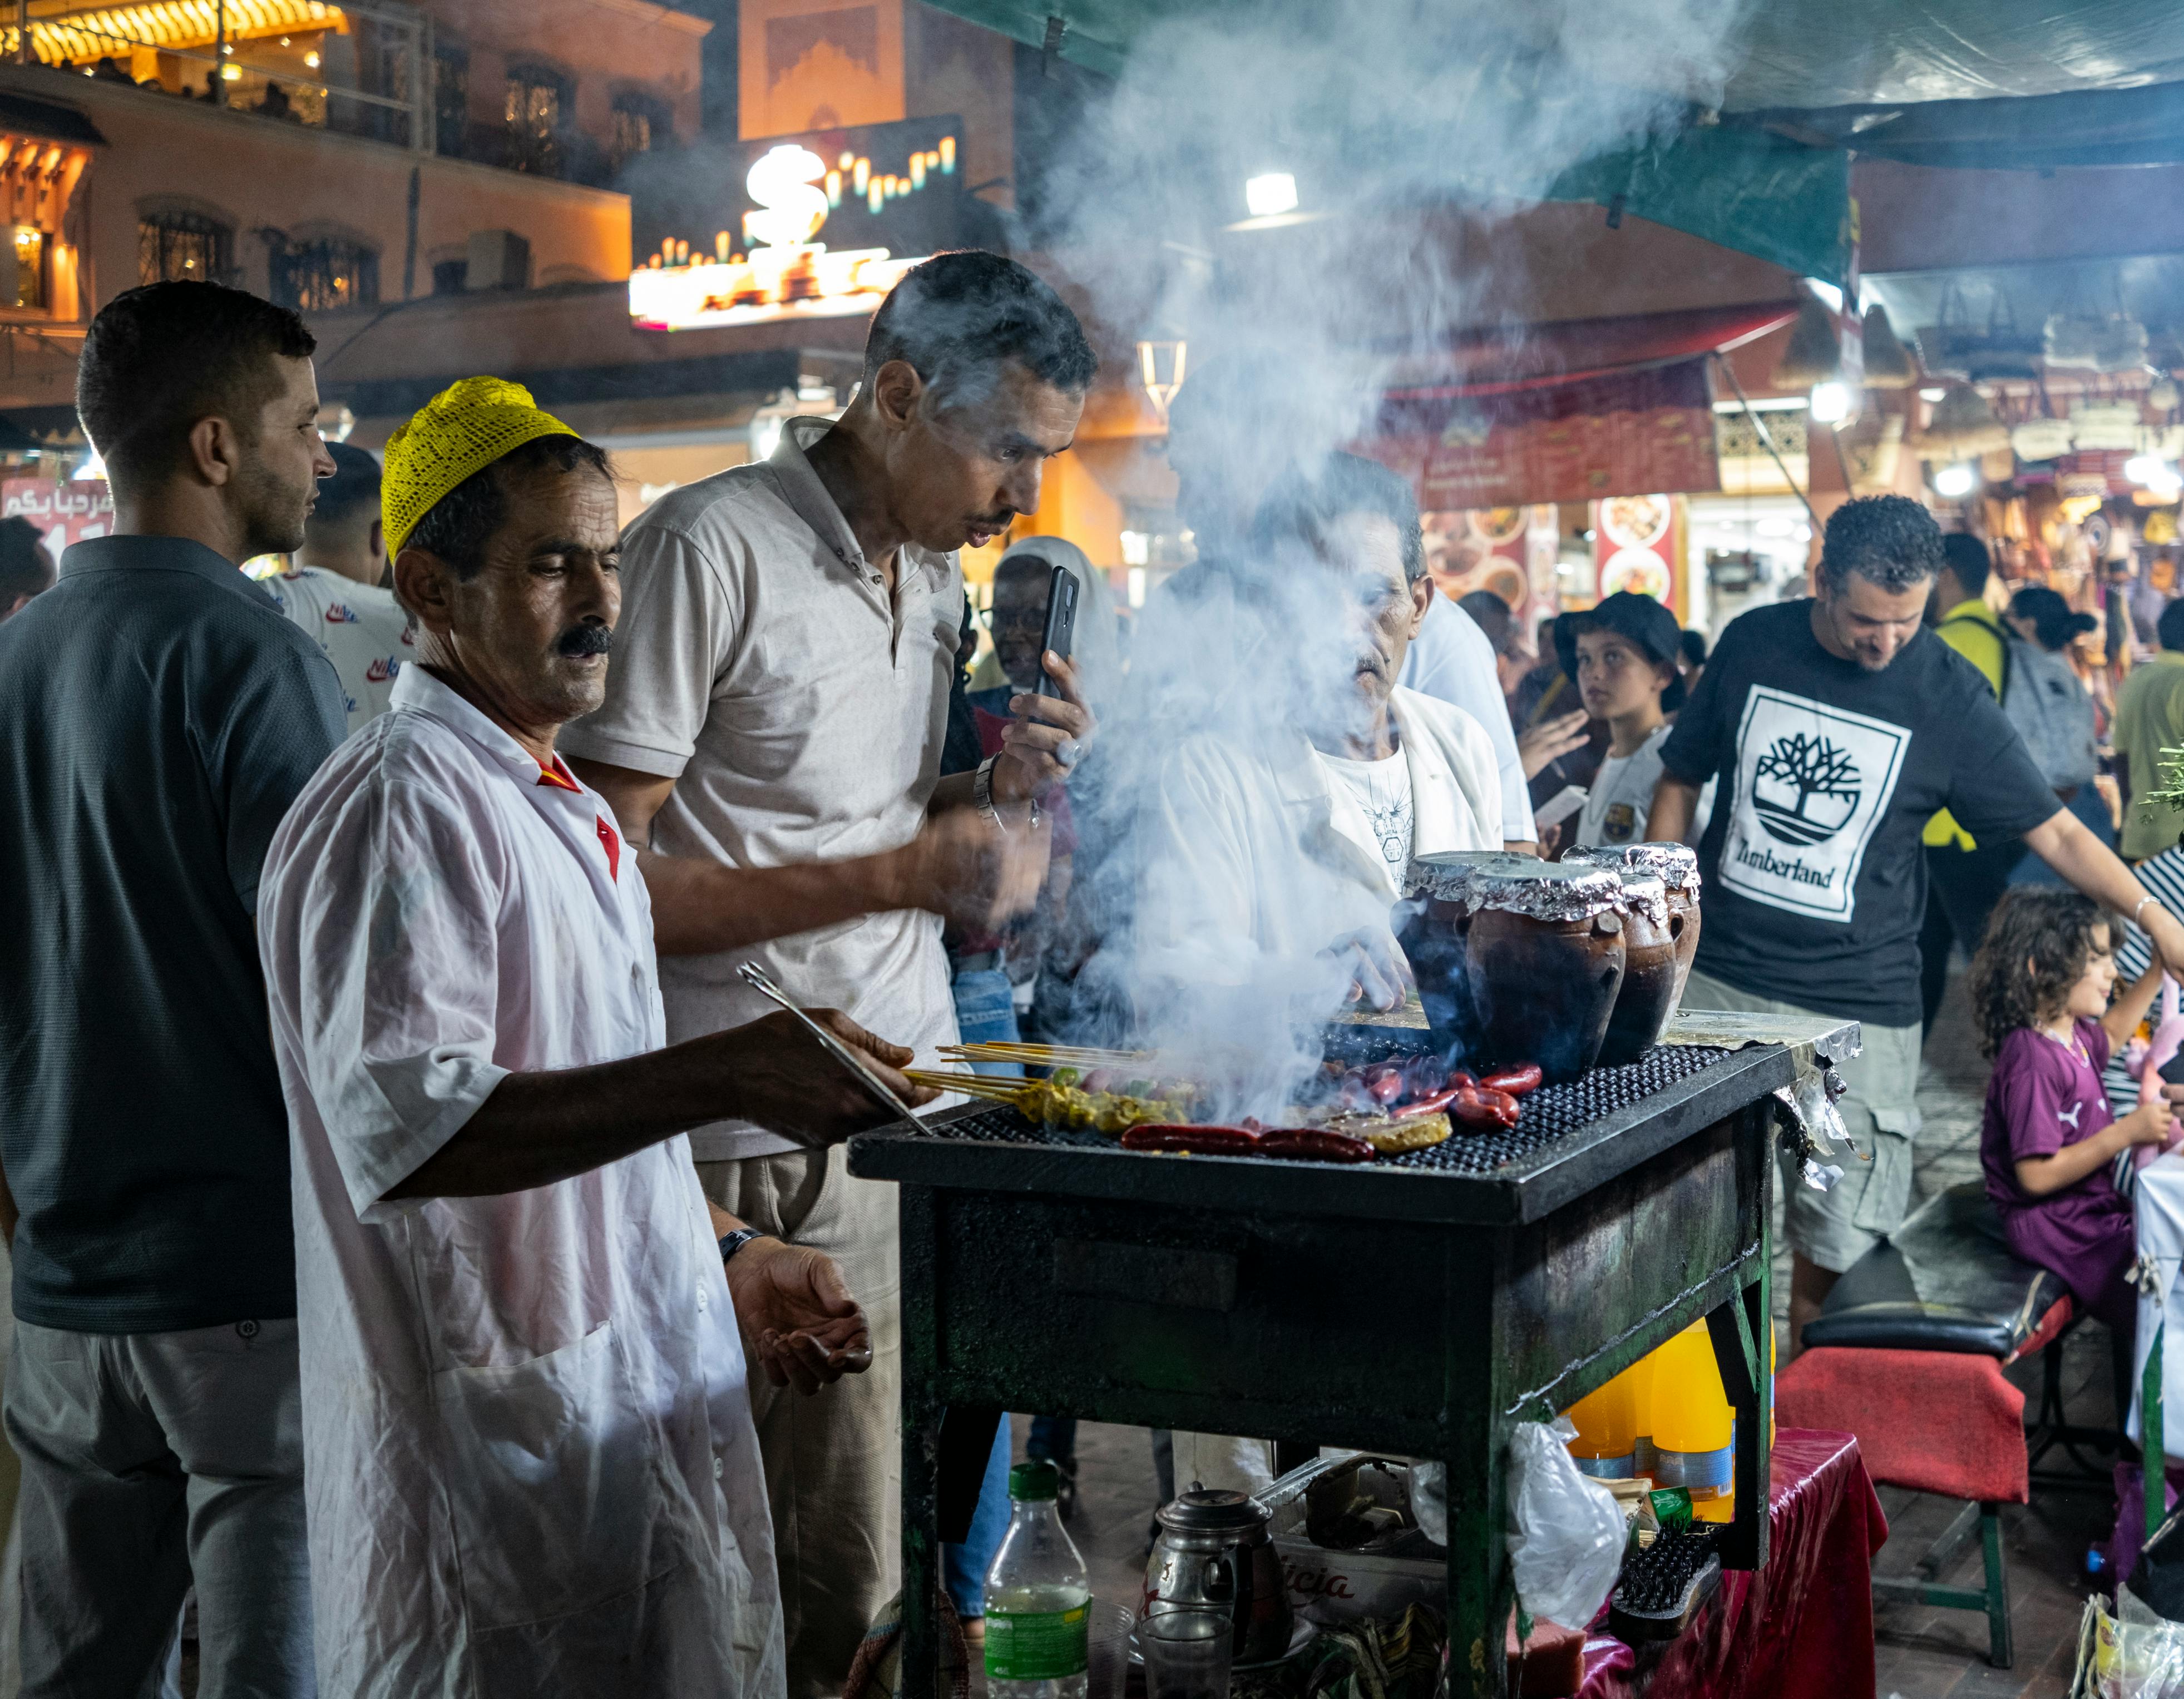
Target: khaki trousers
1833	1229
833	1461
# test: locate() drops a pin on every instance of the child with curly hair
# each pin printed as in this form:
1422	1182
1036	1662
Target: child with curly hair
2040	988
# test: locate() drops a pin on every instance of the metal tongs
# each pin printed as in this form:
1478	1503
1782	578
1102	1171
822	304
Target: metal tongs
760	981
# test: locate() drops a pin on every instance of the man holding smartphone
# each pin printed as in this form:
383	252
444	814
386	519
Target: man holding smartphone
771	740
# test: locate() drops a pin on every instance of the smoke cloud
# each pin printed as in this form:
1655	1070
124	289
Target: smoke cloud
1412	130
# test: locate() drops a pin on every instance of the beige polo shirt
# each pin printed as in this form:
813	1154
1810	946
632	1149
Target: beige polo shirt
760	664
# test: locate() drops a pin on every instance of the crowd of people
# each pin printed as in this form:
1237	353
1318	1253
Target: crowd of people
427	1246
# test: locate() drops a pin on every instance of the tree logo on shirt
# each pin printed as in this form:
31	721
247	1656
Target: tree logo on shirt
1805	789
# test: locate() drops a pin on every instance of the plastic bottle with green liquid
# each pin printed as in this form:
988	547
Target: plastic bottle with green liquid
1039	1598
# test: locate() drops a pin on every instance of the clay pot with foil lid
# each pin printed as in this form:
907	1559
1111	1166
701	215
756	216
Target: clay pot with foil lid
1647	997
1516	959
1677	867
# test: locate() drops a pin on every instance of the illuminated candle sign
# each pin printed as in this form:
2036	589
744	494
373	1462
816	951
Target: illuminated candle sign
818	224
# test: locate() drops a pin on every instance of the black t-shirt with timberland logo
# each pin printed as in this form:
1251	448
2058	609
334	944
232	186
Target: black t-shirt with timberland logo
1814	879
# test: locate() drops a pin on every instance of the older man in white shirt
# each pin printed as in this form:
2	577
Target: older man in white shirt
1278	851
530	1462
1275	855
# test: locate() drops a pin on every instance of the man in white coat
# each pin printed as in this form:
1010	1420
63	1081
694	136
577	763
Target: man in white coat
530	1464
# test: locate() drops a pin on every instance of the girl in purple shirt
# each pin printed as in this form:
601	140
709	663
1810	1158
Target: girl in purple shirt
2040	988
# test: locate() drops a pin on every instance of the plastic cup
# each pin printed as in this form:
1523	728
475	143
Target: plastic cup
1109	1644
1187	1653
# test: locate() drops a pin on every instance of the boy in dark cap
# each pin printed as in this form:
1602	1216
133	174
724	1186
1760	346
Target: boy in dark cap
1627	650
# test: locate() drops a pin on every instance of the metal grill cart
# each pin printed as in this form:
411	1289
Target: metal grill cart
1422	1305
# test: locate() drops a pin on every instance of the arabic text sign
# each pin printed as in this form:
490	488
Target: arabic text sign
67	513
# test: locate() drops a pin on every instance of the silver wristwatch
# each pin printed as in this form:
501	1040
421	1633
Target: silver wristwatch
982	794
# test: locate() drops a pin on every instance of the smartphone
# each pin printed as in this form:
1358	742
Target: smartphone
1061	623
2172	1070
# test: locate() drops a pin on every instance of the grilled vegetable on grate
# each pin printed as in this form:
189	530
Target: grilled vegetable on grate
1053	1105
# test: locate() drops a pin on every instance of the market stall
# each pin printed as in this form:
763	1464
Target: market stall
1425	1304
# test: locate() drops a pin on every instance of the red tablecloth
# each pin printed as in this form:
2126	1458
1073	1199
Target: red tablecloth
1800	1629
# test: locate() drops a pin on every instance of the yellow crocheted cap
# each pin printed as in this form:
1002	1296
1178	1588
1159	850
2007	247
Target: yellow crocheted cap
463	429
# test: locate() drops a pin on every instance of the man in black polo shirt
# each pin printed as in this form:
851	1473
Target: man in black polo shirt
158	715
1838	725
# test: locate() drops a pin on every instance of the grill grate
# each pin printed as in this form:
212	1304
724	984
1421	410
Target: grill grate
1550	1113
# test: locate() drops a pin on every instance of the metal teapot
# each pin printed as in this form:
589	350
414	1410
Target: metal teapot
1214	1549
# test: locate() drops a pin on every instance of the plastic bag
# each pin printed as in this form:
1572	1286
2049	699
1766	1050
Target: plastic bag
1566	1532
2137	1656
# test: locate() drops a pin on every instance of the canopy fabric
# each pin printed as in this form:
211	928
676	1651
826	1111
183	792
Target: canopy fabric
1575	350
2134	126
1758	194
1787	54
2020	84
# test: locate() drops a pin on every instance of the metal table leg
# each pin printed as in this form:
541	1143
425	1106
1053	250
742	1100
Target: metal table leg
921	1452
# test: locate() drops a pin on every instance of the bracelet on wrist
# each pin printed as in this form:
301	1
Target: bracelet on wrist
733	1242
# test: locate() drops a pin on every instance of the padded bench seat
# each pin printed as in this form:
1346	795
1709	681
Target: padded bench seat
1945	1281
1908	1354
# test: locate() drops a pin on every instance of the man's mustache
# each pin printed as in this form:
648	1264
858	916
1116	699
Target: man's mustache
584	639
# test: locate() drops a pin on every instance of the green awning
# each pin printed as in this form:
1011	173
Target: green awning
1994	83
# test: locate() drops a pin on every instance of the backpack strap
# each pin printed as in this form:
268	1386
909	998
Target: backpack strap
2001	637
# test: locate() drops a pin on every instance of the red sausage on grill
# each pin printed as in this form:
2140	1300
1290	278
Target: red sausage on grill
1517	1081
1205	1140
1314	1143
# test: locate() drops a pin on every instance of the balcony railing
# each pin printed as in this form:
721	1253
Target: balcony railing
363	68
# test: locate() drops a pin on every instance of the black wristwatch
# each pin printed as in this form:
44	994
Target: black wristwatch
733	1242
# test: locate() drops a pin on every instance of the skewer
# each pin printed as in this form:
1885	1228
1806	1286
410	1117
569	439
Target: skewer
971	1084
1048	1055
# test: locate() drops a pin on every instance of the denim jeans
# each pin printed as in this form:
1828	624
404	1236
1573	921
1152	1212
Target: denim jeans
963	1568
1053	1438
986	1013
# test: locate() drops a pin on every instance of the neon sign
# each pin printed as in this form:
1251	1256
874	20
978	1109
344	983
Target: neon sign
768	259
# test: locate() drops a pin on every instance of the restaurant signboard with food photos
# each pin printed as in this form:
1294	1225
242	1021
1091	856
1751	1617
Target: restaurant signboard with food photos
1638	546
1509	551
1487	445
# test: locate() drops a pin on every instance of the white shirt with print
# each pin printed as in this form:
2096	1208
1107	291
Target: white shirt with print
363	631
1621	801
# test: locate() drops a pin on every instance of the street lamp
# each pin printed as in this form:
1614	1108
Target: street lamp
1271	194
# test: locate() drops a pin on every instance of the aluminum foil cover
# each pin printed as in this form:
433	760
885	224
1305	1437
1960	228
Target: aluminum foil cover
1518	884
1645	894
1676	865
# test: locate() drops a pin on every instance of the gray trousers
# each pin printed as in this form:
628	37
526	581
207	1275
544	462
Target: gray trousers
151	1461
833	1461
